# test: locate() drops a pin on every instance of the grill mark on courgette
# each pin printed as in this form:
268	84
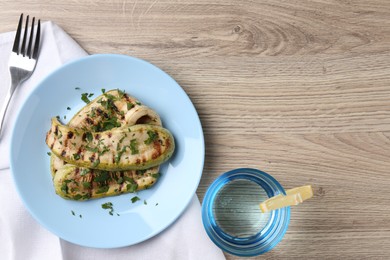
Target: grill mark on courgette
92	158
113	157
99	111
70	134
115	108
65	142
89	121
80	153
157	148
127	98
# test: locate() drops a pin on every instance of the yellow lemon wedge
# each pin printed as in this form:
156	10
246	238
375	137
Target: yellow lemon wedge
293	197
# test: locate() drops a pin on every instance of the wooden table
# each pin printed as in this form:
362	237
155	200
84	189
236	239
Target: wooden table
299	89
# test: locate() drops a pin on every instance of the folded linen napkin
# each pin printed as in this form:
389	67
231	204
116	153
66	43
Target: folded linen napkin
21	237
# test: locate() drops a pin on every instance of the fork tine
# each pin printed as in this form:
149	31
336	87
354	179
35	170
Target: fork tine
30	40
23	48
37	39
15	48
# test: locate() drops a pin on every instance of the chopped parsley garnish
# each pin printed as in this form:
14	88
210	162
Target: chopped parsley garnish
86	185
76	88
90	149
84	171
103	189
120	180
110	206
131	187
156	175
105	149
88	136
80	216
90	95
133	146
140	172
145	203
110	97
107	205
156	204
68	108
103	90
49	153
93	112
130	105
102	176
122	138
87	196
76	156
135	199
84	97
73	213
118	157
152	137
64	117
109	102
77	197
128	179
121	93
110	124
64	186
58	117
95	163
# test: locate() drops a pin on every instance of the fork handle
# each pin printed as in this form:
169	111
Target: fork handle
5	105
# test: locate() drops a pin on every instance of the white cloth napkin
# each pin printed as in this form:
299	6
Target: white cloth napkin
21	237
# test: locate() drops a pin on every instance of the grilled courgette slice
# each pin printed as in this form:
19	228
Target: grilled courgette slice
136	147
71	183
112	109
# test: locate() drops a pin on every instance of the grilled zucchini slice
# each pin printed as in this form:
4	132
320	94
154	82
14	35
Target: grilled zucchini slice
71	183
137	147
113	109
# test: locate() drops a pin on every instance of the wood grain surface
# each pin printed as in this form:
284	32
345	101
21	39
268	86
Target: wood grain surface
299	89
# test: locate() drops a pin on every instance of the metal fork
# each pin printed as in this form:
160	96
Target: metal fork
22	61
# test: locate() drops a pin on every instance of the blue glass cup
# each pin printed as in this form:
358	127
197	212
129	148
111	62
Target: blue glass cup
231	214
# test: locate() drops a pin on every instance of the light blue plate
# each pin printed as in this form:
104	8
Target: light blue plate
136	221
